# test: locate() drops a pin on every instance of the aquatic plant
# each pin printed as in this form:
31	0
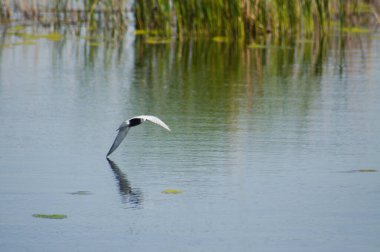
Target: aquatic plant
50	216
244	19
367	170
172	191
80	193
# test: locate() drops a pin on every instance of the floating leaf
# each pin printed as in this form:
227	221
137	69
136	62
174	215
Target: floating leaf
50	216
220	39
54	36
154	41
140	32
367	170
361	170
80	193
356	30
172	191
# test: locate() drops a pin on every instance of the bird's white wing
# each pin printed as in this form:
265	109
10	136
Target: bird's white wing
155	120
119	138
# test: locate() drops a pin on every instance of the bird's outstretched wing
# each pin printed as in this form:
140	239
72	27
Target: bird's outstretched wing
154	119
119	138
125	126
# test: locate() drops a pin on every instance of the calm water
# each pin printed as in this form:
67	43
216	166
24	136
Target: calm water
274	149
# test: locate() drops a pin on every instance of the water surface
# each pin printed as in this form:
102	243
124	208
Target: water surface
274	149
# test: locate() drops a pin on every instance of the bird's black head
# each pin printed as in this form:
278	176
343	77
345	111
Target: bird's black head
135	122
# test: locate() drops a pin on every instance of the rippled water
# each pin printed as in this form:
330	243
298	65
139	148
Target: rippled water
274	149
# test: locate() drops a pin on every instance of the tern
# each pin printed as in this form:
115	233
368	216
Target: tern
134	121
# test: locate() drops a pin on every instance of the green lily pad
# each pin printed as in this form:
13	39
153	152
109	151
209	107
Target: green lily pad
50	216
172	191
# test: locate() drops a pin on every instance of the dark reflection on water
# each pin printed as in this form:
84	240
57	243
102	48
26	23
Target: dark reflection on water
129	195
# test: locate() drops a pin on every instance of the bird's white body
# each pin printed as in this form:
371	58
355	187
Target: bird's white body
134	121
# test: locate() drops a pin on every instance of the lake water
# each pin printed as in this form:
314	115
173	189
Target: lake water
273	149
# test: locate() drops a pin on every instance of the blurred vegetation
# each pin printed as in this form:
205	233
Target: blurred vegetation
221	20
222	74
200	75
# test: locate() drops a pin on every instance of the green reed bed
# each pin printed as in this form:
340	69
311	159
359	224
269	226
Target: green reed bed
242	19
247	18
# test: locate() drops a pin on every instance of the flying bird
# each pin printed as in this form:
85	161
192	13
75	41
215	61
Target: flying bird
134	121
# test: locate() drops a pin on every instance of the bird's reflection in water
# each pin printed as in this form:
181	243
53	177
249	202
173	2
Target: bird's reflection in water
128	194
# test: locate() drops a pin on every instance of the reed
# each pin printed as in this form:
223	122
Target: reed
242	19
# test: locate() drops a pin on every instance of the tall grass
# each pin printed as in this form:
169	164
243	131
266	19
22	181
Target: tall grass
234	19
243	19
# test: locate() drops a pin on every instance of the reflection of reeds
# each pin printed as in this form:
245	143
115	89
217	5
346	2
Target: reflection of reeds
237	19
221	63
